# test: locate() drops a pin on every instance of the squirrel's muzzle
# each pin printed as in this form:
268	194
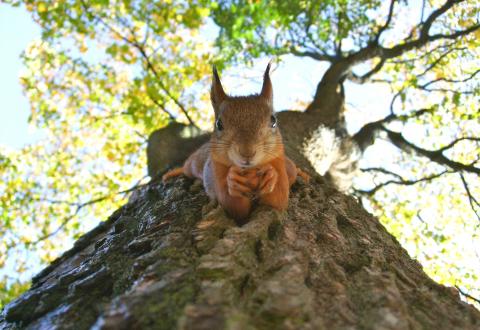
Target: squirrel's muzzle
247	155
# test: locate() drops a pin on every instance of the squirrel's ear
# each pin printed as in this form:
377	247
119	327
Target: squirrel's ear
217	94
267	89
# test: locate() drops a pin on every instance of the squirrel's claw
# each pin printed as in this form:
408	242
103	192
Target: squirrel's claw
236	189
238	185
172	173
236	177
268	181
304	175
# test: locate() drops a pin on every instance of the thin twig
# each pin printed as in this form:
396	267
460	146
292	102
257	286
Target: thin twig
387	23
465	294
79	207
471	198
404	182
147	61
434	155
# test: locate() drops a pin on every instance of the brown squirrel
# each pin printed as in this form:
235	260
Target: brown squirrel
244	159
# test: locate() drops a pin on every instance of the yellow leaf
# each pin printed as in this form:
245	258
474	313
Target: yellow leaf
41	7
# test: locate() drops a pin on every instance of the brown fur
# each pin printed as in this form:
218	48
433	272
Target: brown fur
245	141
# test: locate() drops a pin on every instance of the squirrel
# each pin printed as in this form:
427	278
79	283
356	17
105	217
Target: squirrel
245	159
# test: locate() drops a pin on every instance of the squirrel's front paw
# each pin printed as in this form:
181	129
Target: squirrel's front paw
268	179
238	184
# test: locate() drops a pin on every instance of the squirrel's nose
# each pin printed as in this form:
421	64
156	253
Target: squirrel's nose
248	155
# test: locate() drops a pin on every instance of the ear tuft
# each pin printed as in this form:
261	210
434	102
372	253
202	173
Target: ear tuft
267	89
217	94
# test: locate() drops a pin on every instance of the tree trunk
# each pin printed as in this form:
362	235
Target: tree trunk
171	259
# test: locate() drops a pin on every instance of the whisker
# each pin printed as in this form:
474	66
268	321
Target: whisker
221	144
270	153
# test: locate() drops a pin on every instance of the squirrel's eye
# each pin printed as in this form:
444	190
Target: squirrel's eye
219	125
273	120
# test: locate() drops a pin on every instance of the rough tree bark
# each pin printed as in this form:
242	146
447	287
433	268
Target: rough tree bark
170	259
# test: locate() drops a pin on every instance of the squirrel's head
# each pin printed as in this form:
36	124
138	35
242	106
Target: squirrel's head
245	132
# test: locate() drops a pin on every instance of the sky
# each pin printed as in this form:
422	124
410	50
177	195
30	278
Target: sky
17	30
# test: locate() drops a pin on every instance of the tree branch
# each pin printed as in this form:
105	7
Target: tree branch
374	49
423	40
440	58
146	58
78	208
471	199
424	3
152	69
366	77
161	106
446	46
312	54
400	180
381	170
454	142
470	77
434	155
366	135
463	293
387	23
341	67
